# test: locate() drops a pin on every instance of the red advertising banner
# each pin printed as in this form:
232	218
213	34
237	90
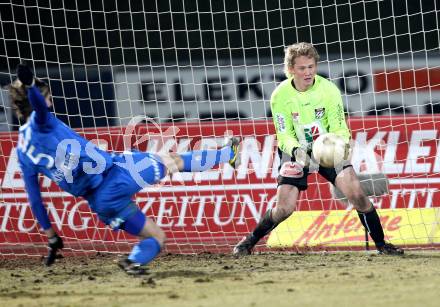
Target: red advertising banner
215	208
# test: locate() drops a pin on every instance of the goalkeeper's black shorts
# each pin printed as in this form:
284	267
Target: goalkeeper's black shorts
301	183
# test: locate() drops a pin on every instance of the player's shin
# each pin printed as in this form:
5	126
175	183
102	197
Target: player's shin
152	239
371	222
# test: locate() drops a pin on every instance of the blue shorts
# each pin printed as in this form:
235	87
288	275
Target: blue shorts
132	171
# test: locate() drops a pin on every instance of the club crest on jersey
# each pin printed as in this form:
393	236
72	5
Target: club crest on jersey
319	113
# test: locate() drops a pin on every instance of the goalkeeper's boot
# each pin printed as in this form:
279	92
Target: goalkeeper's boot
245	246
235	161
132	268
390	249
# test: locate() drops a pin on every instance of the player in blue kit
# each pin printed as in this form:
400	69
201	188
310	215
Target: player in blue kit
106	180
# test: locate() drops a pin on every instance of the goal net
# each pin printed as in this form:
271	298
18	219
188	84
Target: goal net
171	76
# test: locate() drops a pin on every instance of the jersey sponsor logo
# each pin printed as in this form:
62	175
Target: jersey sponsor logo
281	122
312	132
319	113
57	175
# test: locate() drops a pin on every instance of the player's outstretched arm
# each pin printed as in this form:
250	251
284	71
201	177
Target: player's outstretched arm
38	102
40	213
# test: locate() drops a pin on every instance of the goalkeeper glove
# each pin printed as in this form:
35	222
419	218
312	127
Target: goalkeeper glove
55	243
301	156
295	169
25	75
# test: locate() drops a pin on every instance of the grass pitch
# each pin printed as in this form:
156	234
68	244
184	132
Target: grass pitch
269	279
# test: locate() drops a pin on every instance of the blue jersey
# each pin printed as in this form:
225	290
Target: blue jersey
46	145
62	155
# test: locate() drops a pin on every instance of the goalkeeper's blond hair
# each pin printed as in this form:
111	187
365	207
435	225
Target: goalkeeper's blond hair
297	50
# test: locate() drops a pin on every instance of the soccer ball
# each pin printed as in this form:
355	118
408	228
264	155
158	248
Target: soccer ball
330	150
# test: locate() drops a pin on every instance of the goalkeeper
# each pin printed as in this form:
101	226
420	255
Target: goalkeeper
303	107
106	180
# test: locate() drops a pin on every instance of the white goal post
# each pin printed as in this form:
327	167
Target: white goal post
194	71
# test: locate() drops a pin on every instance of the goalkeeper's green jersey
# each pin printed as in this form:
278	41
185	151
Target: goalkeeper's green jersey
300	117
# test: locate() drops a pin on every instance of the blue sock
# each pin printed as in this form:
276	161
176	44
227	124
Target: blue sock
145	251
202	160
